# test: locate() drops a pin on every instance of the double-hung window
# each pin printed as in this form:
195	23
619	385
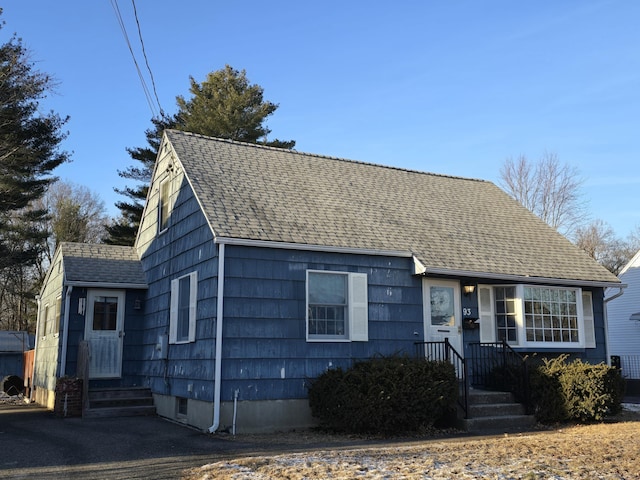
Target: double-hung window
337	307
536	316
184	299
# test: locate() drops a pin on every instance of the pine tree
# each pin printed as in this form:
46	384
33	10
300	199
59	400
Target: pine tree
29	148
225	105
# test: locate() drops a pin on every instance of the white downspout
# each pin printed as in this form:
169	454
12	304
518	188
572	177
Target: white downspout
219	317
35	351
65	335
606	322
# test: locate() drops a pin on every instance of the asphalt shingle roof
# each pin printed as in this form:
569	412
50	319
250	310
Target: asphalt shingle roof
449	223
105	264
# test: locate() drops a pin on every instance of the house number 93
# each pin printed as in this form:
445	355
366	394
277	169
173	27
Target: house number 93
466	312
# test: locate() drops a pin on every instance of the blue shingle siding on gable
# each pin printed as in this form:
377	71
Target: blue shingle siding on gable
265	352
185	247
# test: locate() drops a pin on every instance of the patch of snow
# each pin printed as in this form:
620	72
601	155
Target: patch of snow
632	407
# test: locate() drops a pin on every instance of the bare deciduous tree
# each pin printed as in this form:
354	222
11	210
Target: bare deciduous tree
600	242
76	215
548	188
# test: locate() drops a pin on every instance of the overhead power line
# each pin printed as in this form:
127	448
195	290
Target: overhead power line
145	88
146	60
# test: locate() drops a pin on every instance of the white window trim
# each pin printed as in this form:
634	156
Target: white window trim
193	305
357	309
166	182
488	333
45	321
57	319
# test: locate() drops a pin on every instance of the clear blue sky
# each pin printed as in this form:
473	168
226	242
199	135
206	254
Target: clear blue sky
451	87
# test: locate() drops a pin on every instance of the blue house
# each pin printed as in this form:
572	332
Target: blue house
256	269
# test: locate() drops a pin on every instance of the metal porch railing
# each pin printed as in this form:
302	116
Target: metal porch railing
497	366
443	351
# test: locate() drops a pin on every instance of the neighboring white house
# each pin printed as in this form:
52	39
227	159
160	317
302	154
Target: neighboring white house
624	320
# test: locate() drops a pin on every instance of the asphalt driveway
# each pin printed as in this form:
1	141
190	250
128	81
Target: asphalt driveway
36	444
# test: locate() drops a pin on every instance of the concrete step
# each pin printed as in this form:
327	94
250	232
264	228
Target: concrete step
119	412
127	392
495	409
493	412
119	402
477	397
500	424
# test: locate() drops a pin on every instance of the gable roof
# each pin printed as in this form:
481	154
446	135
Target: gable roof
101	265
451	225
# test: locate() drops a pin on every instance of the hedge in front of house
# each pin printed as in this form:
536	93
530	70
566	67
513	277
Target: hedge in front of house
575	391
388	395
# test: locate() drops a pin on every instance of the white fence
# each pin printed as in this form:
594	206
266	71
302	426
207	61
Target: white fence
630	366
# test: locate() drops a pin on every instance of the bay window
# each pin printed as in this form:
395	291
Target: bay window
536	316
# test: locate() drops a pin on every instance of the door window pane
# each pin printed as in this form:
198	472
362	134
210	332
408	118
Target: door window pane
442	302
105	313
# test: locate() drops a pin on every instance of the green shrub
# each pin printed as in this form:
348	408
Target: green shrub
575	391
388	395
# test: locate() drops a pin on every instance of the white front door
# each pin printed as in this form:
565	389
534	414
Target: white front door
104	331
442	312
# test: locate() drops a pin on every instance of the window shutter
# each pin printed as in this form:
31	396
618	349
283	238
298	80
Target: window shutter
358	307
587	314
193	305
173	314
487	318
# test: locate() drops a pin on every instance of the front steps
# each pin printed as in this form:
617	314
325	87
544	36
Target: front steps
496	412
119	402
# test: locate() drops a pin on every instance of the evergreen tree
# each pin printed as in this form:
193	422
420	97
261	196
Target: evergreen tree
225	105
123	231
29	149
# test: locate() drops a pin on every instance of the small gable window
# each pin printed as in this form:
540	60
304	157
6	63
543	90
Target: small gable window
534	316
337	308
184	298
164	205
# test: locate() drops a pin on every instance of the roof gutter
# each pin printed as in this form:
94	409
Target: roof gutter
219	318
419	267
133	286
522	278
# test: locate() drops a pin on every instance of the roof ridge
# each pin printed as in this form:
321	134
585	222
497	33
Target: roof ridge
325	157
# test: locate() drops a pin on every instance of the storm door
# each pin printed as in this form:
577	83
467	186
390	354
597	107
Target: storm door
104	331
442	312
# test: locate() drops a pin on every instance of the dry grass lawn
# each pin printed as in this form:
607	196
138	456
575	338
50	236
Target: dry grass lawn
601	451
